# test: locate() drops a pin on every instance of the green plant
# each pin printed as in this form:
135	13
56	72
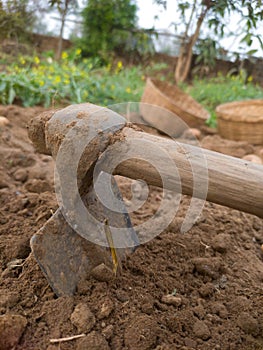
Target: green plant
207	52
17	18
109	26
104	22
33	81
214	91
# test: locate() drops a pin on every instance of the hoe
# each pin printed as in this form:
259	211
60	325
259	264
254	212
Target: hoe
90	145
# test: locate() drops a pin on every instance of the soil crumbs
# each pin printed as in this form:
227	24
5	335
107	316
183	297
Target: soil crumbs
199	290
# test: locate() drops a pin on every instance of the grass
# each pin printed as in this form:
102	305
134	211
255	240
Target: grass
43	81
214	91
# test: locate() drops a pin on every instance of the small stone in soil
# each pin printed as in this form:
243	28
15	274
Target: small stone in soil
83	287
206	290
201	330
219	309
4	121
8	299
190	343
121	296
3	184
93	341
147	308
253	158
221	243
108	331
248	323
161	306
199	311
106	308
207	266
141	333
11	329
192	134
170	299
38	186
83	318
20	175
21	248
102	273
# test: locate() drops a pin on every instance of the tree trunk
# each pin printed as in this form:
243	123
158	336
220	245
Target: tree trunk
60	39
186	52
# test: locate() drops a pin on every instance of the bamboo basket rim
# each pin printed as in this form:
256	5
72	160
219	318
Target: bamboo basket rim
199	112
246	111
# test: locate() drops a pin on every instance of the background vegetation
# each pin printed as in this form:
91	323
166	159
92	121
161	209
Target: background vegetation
221	89
33	81
95	69
16	19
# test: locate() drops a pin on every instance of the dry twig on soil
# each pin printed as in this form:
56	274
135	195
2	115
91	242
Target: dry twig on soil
60	340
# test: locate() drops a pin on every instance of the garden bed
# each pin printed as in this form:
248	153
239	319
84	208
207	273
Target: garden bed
215	271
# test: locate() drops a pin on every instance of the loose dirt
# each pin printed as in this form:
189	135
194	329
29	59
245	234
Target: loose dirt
201	290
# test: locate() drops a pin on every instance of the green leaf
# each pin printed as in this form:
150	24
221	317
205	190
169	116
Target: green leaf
247	39
78	95
54	2
2	85
260	40
251	52
11	95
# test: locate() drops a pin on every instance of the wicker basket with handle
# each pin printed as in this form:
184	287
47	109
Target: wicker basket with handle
241	121
170	97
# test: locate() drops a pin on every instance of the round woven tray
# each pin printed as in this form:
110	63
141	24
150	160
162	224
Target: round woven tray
170	97
241	121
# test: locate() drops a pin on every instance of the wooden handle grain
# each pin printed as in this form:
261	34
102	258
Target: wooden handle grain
232	182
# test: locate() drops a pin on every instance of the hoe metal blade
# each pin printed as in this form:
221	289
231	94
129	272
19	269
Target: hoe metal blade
66	257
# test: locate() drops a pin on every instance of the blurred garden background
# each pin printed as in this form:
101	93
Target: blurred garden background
59	52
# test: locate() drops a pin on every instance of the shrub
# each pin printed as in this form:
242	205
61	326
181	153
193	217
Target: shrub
34	81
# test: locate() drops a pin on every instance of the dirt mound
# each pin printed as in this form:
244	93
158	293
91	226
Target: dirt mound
201	290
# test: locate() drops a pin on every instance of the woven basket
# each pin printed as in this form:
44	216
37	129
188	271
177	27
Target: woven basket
170	97
241	121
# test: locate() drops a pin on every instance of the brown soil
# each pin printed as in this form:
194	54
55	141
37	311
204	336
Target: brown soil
201	290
